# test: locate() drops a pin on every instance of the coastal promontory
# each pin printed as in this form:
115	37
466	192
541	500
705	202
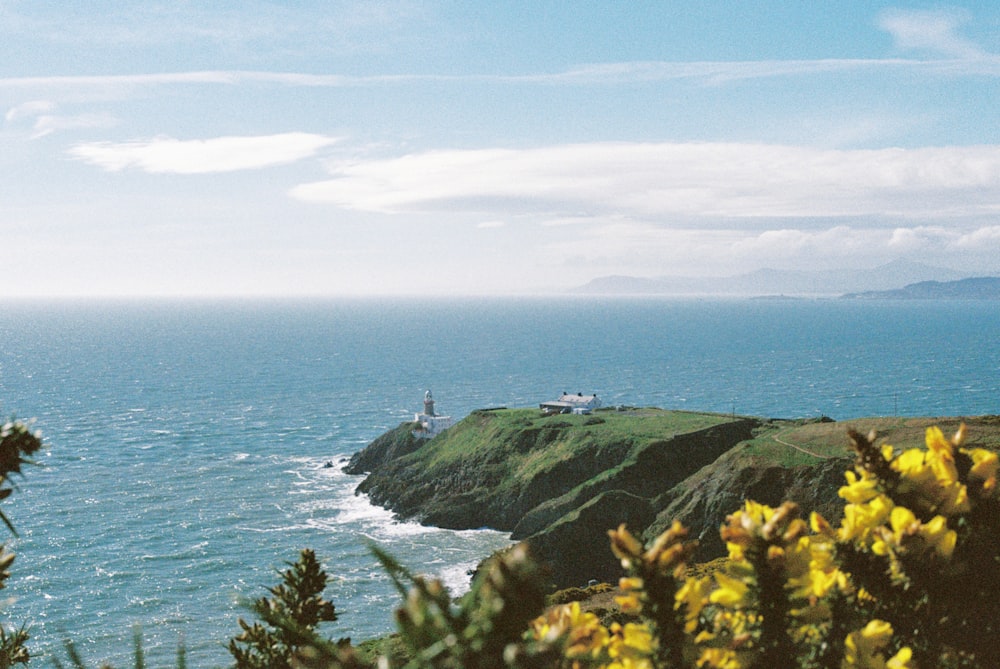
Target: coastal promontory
561	481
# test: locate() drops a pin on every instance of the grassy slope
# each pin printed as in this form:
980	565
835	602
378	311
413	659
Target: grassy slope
526	443
799	460
830	439
482	429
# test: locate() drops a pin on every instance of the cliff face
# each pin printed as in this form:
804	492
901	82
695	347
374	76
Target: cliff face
646	472
702	502
391	446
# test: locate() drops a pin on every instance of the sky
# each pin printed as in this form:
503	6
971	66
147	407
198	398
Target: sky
409	147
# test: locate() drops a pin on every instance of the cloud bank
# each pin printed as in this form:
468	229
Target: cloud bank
688	181
930	30
220	154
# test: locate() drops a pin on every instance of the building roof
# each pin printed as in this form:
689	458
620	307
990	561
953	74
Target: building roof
570	401
579	398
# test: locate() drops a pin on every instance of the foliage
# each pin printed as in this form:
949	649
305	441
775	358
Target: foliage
289	620
485	628
908	579
17	444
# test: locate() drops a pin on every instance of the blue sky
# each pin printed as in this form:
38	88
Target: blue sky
409	147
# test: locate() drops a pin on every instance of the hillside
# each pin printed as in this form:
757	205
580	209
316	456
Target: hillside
974	288
774	282
560	482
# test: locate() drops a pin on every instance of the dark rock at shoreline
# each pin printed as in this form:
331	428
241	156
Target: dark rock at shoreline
384	450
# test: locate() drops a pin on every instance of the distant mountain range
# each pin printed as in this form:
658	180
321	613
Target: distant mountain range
975	288
773	282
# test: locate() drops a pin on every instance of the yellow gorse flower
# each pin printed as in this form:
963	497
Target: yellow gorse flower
901	513
631	646
907	534
692	597
864	648
731	592
931	476
985	465
860	488
580	633
861	518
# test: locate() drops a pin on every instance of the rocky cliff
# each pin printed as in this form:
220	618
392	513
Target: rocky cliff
560	482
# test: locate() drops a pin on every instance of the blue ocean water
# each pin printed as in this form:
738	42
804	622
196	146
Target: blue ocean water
188	439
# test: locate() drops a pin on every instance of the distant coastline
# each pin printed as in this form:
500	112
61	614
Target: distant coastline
777	284
972	288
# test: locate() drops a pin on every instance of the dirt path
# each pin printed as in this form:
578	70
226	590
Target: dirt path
781	441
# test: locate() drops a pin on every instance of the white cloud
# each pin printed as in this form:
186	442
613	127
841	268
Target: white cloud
40	113
219	154
985	239
690	181
644	249
921	238
486	225
47	124
29	109
930	30
961	58
841	241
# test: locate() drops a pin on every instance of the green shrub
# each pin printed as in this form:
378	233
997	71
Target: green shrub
288	619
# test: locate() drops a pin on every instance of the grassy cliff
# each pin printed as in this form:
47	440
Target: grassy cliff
495	467
560	482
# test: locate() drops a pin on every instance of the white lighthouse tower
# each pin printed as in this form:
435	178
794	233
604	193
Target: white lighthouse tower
429	424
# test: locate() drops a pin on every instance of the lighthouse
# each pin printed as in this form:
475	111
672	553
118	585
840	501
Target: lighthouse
429	424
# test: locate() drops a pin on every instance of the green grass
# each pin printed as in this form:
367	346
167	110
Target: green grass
830	439
555	438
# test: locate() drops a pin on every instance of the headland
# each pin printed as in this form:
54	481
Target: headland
561	481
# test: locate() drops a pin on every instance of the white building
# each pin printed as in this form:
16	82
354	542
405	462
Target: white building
578	403
429	424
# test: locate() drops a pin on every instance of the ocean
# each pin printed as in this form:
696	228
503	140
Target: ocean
188	440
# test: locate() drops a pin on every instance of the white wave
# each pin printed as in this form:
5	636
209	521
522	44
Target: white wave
457	577
358	509
277	528
398	529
